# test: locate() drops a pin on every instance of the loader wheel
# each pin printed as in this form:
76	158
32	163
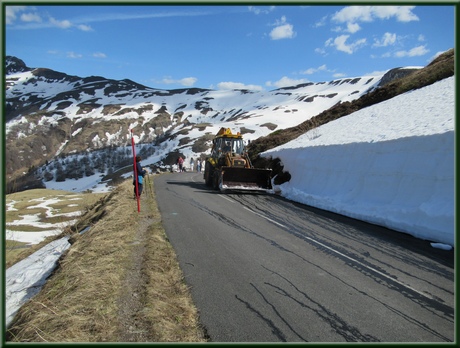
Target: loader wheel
207	174
216	179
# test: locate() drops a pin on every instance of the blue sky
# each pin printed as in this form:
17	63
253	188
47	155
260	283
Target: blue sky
233	46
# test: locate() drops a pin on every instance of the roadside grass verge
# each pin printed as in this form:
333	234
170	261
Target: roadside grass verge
89	297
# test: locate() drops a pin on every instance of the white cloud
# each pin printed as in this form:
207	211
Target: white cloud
64	24
353	27
320	23
99	55
283	30
321	51
30	17
415	52
337	29
352	14
280	21
286	82
186	81
401	13
74	55
340	43
11	13
258	10
350	28
387	40
314	70
238	85
84	27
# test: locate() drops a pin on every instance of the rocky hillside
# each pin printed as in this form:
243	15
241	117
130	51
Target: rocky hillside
58	119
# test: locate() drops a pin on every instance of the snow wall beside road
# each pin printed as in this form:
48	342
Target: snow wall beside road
405	184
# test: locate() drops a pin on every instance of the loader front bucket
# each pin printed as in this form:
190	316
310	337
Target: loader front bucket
253	179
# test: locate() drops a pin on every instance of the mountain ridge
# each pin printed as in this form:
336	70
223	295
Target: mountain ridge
51	115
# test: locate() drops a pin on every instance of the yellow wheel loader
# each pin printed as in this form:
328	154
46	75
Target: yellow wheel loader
229	167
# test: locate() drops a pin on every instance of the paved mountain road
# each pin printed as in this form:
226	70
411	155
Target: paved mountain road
264	269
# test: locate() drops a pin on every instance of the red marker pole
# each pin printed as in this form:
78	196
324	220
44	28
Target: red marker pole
135	173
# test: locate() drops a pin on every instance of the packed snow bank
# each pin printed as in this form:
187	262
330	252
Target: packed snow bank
25	279
391	164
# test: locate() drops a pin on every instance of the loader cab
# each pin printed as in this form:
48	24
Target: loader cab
223	145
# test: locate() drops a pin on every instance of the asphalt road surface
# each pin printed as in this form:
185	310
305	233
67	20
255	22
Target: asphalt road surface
265	269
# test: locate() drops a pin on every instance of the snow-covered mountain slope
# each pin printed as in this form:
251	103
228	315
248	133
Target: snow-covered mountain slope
51	114
59	96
